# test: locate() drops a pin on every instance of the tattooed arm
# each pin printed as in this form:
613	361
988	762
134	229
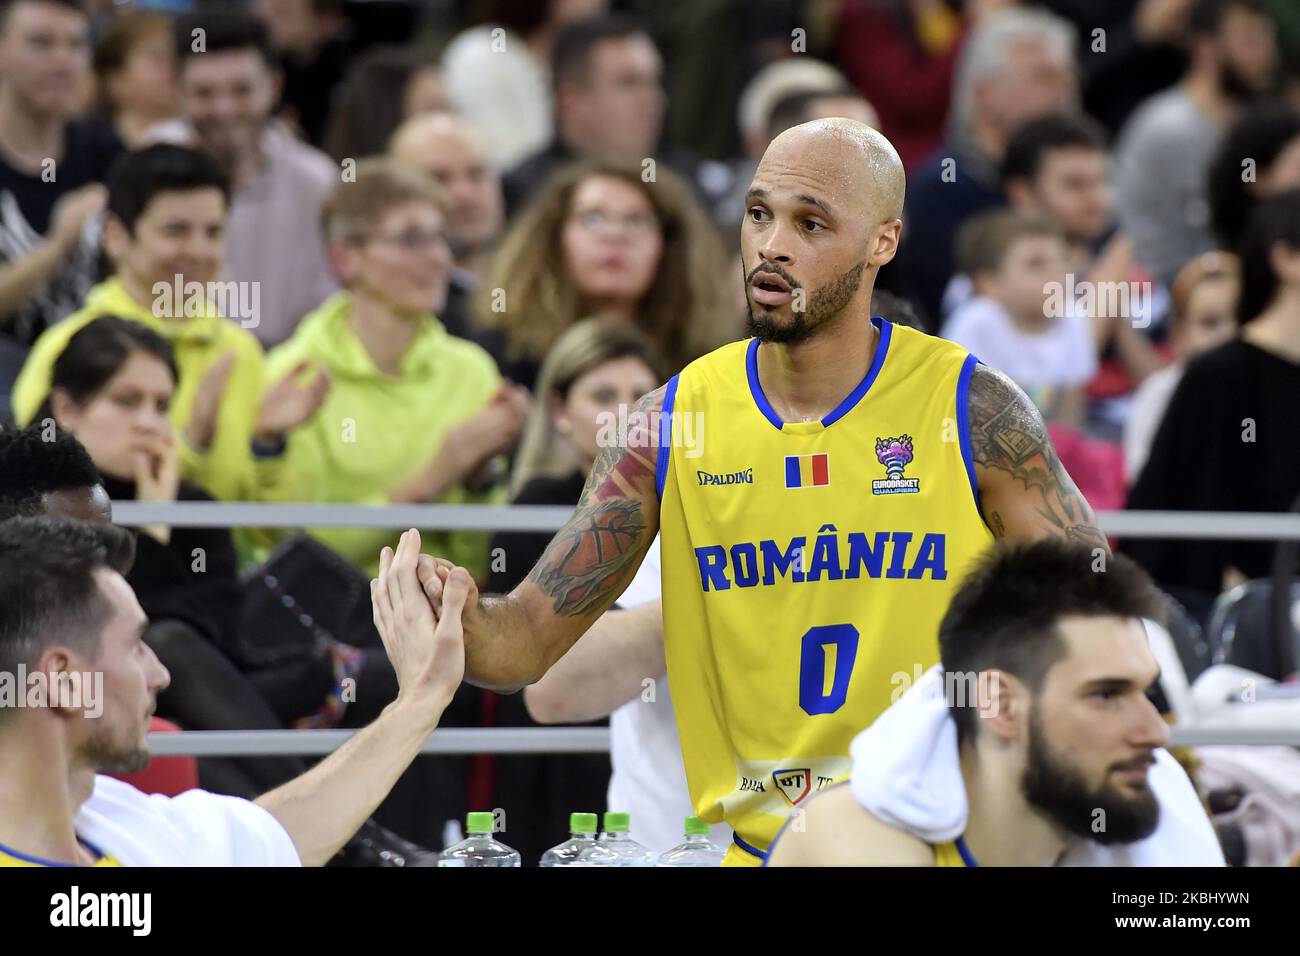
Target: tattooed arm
511	641
1025	492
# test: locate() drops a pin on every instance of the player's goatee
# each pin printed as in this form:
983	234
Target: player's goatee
824	304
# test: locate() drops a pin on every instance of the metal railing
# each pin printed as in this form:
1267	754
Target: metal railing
1203	525
555	740
1199	525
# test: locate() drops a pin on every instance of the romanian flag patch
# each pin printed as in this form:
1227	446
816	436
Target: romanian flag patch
807	471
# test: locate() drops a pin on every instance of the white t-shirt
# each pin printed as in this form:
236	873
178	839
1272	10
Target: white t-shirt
196	828
1062	355
649	778
1149	404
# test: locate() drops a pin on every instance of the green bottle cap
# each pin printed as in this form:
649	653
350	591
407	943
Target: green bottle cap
618	822
696	827
582	823
480	822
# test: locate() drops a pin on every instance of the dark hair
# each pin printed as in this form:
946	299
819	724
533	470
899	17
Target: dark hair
983	241
1031	142
1259	135
1207	16
98	350
47	589
115	45
1005	613
576	44
789	111
139	176
524	17
895	309
370	102
224	29
37	461
1273	222
7	6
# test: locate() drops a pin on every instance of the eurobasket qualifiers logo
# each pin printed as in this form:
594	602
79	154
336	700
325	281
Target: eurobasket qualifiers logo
895	454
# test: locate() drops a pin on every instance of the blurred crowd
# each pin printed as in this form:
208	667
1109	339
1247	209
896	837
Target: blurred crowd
394	251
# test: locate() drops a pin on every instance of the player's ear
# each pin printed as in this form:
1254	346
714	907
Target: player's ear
884	245
1001	703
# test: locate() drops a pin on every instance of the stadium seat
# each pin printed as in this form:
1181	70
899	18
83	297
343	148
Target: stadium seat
1240	629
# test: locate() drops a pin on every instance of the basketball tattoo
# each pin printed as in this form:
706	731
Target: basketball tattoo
593	557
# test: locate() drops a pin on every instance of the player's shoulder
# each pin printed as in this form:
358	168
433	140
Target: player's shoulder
993	392
725	363
833	829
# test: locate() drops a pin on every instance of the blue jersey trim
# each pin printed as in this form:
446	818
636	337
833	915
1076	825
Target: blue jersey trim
755	389
39	861
966	856
665	437
963	426
885	328
751	850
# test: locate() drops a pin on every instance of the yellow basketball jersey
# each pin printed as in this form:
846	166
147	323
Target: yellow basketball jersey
953	853
806	566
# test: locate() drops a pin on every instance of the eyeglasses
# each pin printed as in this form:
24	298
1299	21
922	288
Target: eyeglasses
634	224
412	240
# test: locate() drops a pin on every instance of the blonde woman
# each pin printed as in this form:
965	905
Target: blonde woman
601	241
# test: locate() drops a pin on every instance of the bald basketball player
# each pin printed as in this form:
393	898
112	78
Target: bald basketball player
1056	735
819	489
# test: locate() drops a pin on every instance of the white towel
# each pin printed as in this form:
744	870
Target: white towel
907	774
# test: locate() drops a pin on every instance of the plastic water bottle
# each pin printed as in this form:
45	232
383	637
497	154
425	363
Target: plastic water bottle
479	848
616	839
581	849
697	850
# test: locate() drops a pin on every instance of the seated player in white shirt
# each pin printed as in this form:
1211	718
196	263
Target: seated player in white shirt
66	609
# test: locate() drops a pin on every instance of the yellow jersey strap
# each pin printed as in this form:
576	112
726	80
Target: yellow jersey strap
10	857
955	853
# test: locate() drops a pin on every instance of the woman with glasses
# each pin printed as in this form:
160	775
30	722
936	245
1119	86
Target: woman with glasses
415	414
625	243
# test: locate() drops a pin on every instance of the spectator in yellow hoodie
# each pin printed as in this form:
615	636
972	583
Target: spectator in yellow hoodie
165	235
414	414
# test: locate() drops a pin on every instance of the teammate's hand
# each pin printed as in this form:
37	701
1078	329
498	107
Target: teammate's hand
290	403
202	426
427	649
433	574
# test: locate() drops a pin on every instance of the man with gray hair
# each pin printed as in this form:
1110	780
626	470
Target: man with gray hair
1018	65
